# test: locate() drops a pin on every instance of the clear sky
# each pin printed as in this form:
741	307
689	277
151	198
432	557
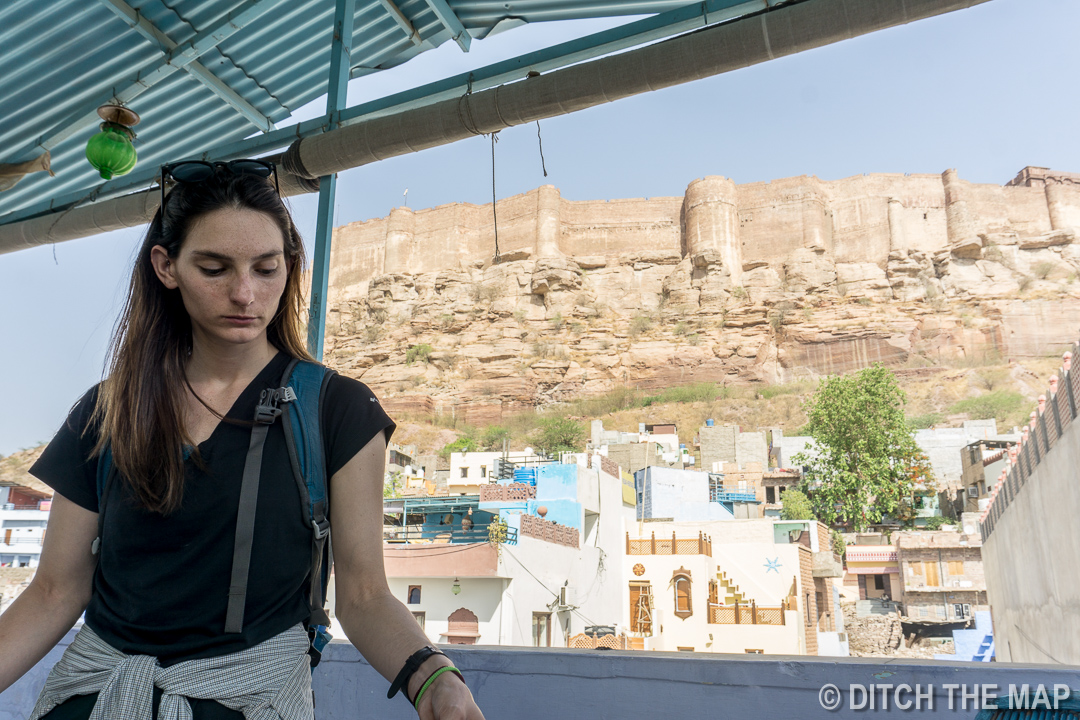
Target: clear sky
987	90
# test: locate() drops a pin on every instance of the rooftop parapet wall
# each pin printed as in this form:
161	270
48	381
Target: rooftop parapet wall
1031	540
611	683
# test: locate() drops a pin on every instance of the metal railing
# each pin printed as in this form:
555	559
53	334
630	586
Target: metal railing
422	534
1054	413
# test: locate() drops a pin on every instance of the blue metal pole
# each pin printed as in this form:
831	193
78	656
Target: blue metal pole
336	92
320	267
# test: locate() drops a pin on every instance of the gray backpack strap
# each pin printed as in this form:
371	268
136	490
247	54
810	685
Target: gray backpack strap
266	413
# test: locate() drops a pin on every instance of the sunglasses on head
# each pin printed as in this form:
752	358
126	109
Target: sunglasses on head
196	171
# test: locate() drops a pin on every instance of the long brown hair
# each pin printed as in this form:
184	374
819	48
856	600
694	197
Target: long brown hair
140	403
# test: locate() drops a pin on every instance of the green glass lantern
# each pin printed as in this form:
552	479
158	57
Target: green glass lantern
111	151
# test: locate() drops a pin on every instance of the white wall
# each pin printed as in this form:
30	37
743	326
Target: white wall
481	468
27	532
483	596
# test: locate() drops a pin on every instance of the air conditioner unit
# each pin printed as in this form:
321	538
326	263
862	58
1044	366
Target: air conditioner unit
973	491
566	597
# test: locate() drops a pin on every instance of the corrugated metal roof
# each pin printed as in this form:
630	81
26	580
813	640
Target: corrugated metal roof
61	58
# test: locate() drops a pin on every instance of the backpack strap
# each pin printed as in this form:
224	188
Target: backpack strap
302	425
106	474
266	413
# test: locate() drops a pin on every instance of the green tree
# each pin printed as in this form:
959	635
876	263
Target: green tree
796	506
463	444
865	462
557	435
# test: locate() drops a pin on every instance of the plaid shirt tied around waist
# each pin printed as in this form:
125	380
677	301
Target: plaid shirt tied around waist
270	681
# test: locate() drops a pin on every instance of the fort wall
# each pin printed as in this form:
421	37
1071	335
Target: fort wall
861	219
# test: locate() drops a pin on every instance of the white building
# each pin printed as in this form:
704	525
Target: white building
558	572
24	513
734	586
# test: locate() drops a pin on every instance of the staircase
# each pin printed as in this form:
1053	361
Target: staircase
985	653
731	592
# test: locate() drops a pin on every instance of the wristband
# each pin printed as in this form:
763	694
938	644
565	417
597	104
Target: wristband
427	683
415	661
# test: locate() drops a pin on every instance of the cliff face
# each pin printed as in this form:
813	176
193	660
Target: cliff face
766	282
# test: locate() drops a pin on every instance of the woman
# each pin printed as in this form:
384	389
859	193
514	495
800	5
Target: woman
212	319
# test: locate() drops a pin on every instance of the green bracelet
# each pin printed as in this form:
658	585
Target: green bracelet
437	673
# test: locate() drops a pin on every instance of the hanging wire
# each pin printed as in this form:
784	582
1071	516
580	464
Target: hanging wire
494	215
541	139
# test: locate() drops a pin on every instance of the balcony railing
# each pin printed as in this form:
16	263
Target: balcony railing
701	545
869	554
751	614
553	532
420	534
512	492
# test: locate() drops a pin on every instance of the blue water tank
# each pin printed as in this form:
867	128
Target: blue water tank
709	422
682	446
525	475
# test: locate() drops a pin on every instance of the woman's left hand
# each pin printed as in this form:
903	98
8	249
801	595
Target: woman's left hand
448	699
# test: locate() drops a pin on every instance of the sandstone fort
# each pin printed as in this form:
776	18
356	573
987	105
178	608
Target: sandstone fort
761	282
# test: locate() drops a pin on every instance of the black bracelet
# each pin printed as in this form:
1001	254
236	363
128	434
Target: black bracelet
415	661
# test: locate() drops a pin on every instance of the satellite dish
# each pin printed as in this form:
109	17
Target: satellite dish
528	451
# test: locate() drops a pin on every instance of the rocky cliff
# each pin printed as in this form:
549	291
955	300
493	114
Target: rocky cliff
758	283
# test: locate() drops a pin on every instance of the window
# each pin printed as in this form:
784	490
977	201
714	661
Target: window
879	582
541	629
464	472
958	611
419	617
483	471
956	567
414	595
916	568
683	604
973	491
770	494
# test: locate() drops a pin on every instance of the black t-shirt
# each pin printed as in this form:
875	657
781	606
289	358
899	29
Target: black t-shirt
161	585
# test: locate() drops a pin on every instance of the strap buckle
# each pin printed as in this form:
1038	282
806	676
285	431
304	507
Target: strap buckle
321	528
268	411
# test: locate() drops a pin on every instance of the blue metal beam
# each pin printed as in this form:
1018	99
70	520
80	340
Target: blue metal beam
652	29
151	75
336	100
449	19
197	70
402	21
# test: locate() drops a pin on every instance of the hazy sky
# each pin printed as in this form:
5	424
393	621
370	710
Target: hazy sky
987	91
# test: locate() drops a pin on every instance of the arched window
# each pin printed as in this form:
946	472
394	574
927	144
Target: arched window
414	595
683	601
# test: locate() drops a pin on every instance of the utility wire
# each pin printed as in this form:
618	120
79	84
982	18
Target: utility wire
543	165
494	214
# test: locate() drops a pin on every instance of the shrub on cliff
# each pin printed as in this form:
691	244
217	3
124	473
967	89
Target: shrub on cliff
1004	406
421	353
865	462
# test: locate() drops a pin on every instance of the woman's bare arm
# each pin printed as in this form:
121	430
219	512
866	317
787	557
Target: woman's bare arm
58	594
376	622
